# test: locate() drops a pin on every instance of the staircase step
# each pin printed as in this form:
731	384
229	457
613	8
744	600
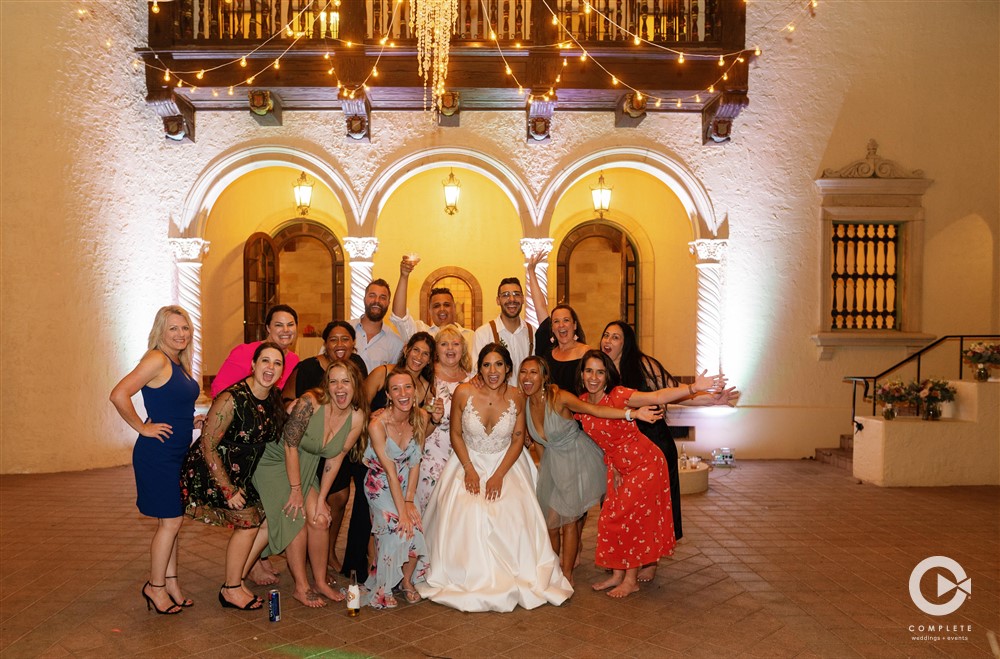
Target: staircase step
847	441
838	457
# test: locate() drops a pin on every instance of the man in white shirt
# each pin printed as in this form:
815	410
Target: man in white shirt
441	305
376	343
508	328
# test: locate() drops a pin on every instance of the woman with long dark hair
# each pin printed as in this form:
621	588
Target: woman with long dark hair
559	339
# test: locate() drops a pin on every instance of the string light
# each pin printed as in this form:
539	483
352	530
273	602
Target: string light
250	80
243	62
215	93
722	61
329	72
790	27
678	102
201	74
156	7
636	40
326	55
493	35
658	101
638	96
565	63
680	60
555	20
230	90
711	89
614	81
583	56
507	70
725	76
756	52
277	64
586	8
374	71
166	75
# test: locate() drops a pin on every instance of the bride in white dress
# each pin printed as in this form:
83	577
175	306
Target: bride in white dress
487	542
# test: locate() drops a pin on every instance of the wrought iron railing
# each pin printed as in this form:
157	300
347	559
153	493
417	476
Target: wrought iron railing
604	22
917	362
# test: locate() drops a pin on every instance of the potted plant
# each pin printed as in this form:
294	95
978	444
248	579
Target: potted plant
890	393
930	394
983	356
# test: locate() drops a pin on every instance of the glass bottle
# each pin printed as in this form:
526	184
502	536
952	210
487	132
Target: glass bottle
354	596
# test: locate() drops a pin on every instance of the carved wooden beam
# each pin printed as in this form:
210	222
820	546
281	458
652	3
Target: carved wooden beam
177	114
630	111
540	109
265	107
717	117
449	115
357	116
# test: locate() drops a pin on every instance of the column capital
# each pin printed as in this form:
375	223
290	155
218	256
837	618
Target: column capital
361	248
532	246
188	249
709	250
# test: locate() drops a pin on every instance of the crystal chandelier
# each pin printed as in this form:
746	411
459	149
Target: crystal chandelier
432	22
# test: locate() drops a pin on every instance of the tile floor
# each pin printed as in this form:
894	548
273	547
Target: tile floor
779	559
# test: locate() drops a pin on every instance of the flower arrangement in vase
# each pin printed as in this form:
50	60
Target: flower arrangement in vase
930	394
892	392
983	356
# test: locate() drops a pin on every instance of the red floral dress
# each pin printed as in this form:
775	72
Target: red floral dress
636	526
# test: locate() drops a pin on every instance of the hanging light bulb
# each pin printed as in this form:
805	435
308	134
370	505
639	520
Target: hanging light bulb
722	60
680	60
200	74
243	62
156	7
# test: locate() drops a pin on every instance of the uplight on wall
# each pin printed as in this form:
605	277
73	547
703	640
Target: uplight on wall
303	194
601	194
452	187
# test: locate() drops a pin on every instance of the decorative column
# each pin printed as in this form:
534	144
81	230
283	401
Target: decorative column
711	267
530	247
188	253
361	251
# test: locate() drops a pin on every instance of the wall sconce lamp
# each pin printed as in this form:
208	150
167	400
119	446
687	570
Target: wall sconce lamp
452	187
601	194
303	194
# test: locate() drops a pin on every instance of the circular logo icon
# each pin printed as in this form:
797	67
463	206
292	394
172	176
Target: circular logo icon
959	582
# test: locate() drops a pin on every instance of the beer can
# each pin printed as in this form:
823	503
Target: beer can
273	605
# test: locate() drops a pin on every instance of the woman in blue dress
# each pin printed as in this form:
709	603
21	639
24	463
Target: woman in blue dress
168	393
396	442
571	476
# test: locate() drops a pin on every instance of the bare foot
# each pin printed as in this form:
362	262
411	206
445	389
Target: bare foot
613	580
410	592
309	598
647	573
267	566
326	591
335	565
261	576
579	552
623	590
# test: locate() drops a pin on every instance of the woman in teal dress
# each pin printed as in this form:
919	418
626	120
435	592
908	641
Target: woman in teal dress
393	461
571	476
325	424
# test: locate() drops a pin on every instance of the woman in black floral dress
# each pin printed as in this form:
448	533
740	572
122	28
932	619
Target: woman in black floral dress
215	480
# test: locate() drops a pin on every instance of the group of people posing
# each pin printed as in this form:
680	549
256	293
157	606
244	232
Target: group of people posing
432	423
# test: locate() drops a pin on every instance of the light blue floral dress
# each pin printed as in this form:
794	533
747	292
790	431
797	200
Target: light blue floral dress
392	550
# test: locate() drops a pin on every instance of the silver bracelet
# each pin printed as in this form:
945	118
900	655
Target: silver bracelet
628	414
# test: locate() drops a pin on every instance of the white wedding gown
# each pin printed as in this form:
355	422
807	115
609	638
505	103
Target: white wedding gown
490	555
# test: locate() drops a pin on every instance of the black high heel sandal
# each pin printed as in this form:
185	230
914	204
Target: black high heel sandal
173	609
188	602
253	605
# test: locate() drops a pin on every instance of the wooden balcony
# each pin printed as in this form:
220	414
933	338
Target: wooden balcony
680	55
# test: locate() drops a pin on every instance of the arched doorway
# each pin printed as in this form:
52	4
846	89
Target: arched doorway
597	273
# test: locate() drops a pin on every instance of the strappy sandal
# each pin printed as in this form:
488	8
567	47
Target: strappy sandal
173	609
188	602
412	596
253	605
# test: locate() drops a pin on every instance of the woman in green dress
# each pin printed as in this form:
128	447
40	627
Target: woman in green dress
325	423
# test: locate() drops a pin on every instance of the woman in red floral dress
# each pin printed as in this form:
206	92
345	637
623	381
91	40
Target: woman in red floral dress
636	525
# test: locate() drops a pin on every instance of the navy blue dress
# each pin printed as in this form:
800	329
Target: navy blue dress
157	464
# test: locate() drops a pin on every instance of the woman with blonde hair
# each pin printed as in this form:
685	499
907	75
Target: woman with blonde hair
452	367
326	423
396	441
168	393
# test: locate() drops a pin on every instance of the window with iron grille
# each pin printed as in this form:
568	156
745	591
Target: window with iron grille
864	270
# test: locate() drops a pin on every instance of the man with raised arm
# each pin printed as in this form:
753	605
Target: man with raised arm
441	305
508	329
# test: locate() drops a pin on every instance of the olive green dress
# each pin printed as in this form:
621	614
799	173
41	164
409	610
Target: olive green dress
271	478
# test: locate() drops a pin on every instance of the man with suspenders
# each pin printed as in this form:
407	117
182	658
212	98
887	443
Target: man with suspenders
508	328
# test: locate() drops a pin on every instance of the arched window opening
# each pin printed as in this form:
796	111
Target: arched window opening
464	288
597	274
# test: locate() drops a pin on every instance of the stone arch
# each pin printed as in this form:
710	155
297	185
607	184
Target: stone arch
670	172
395	174
301	227
228	167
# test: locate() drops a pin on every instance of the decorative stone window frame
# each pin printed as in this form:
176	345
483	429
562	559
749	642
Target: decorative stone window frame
476	312
875	191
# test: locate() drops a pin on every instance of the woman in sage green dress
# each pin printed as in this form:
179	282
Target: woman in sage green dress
325	423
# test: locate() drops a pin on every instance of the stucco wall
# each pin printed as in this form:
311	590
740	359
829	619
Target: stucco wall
90	188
